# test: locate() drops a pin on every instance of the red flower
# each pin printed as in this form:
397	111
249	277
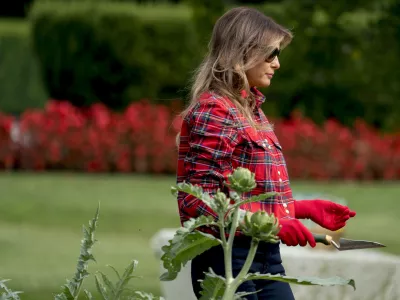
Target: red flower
142	139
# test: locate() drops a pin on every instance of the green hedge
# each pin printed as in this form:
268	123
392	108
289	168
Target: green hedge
115	52
20	82
343	62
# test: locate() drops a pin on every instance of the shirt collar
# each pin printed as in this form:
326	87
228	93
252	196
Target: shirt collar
259	97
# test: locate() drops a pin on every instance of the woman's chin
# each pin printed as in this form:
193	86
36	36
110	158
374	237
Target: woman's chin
264	83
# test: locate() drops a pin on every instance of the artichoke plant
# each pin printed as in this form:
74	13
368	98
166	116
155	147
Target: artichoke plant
221	201
260	225
242	180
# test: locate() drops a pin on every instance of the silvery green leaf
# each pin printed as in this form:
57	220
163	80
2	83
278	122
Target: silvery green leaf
88	295
68	291
108	283
241	295
101	288
8	294
194	190
184	246
130	268
62	297
194	223
124	280
213	286
303	280
146	296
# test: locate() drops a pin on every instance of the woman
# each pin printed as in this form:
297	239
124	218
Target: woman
224	128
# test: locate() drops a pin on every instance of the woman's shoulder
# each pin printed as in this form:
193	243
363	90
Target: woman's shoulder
211	99
211	105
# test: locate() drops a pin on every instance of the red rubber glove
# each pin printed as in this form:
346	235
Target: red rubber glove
327	214
294	233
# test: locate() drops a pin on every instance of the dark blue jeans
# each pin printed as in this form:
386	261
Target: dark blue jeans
267	260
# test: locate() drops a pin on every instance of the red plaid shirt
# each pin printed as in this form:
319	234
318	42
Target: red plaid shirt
215	139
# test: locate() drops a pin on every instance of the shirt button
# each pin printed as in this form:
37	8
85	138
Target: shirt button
287	211
280	179
279	172
269	147
284	205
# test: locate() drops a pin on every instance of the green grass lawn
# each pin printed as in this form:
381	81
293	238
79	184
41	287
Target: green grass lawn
42	217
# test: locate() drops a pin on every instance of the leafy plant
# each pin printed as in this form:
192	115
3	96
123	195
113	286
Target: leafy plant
107	289
72	288
188	242
112	291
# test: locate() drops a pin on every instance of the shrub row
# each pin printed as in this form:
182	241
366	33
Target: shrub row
20	84
326	72
142	139
113	52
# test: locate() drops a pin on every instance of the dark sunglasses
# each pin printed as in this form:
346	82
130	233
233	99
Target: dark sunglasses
273	54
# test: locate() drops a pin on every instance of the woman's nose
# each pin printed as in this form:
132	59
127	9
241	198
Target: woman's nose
275	63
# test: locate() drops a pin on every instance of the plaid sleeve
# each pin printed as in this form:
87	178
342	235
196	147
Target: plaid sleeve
211	139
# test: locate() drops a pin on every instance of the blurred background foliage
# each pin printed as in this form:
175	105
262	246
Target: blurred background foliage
343	62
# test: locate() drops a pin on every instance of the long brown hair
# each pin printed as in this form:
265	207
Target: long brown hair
241	38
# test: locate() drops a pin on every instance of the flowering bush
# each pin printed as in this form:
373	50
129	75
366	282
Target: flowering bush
7	152
337	152
142	139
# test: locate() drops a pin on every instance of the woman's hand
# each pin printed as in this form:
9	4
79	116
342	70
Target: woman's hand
327	214
294	233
